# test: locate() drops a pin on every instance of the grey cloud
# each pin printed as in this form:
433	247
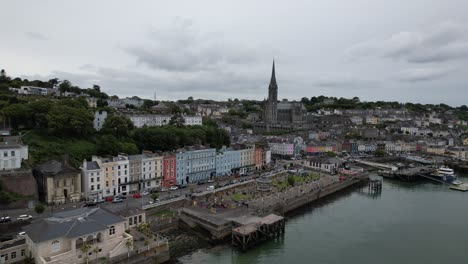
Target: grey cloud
422	74
128	83
181	48
443	42
35	35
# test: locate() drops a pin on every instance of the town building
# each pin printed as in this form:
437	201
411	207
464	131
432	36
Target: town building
271	105
227	162
281	148
134	216
169	170
195	164
12	153
140	120
136	180
13	251
99	118
247	157
57	182
152	170
62	238
91	175
330	165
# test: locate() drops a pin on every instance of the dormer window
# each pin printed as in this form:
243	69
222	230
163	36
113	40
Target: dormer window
112	230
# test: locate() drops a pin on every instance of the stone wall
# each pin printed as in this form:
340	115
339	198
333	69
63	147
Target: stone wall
21	182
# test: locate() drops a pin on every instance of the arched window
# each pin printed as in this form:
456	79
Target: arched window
112	230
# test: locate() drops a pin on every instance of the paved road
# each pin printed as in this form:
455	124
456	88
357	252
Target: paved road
129	202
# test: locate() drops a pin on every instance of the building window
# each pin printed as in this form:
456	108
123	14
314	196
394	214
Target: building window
23	252
92	179
107	183
5	154
112	230
13	255
98	186
4	257
55	246
13	154
98	179
130	221
139	219
92	187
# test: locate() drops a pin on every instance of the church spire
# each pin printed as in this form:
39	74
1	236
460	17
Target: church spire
273	76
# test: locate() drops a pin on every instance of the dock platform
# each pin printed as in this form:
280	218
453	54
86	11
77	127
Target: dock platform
265	228
462	187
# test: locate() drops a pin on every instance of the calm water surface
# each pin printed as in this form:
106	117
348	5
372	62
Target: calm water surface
408	223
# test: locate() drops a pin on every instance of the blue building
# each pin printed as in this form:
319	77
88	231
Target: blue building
227	161
195	164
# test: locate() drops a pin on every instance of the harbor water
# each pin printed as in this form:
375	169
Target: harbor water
420	222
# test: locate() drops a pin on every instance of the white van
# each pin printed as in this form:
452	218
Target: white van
210	188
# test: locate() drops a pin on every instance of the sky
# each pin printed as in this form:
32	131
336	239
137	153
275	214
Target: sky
391	50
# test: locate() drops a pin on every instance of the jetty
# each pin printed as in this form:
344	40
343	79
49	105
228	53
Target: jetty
462	187
262	219
257	230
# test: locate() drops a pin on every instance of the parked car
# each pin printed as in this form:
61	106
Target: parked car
21	234
123	197
210	188
164	189
109	199
150	202
99	200
24	217
210	180
145	192
117	200
173	188
90	204
137	195
5	219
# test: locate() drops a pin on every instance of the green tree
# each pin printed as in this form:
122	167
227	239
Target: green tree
128	148
331	154
379	153
40	208
108	145
66	120
117	125
155	196
177	120
85	249
65	86
18	113
291	180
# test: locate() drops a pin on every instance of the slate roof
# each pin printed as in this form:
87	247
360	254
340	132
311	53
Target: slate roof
71	224
53	167
92	165
11	142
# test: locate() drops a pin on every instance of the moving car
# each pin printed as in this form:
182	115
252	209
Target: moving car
117	200
5	219
24	217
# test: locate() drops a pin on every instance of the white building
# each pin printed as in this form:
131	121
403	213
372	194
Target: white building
99	119
60	238
152	170
281	148
12	153
91	174
162	120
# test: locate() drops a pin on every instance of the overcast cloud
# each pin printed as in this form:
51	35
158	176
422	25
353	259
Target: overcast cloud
378	50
